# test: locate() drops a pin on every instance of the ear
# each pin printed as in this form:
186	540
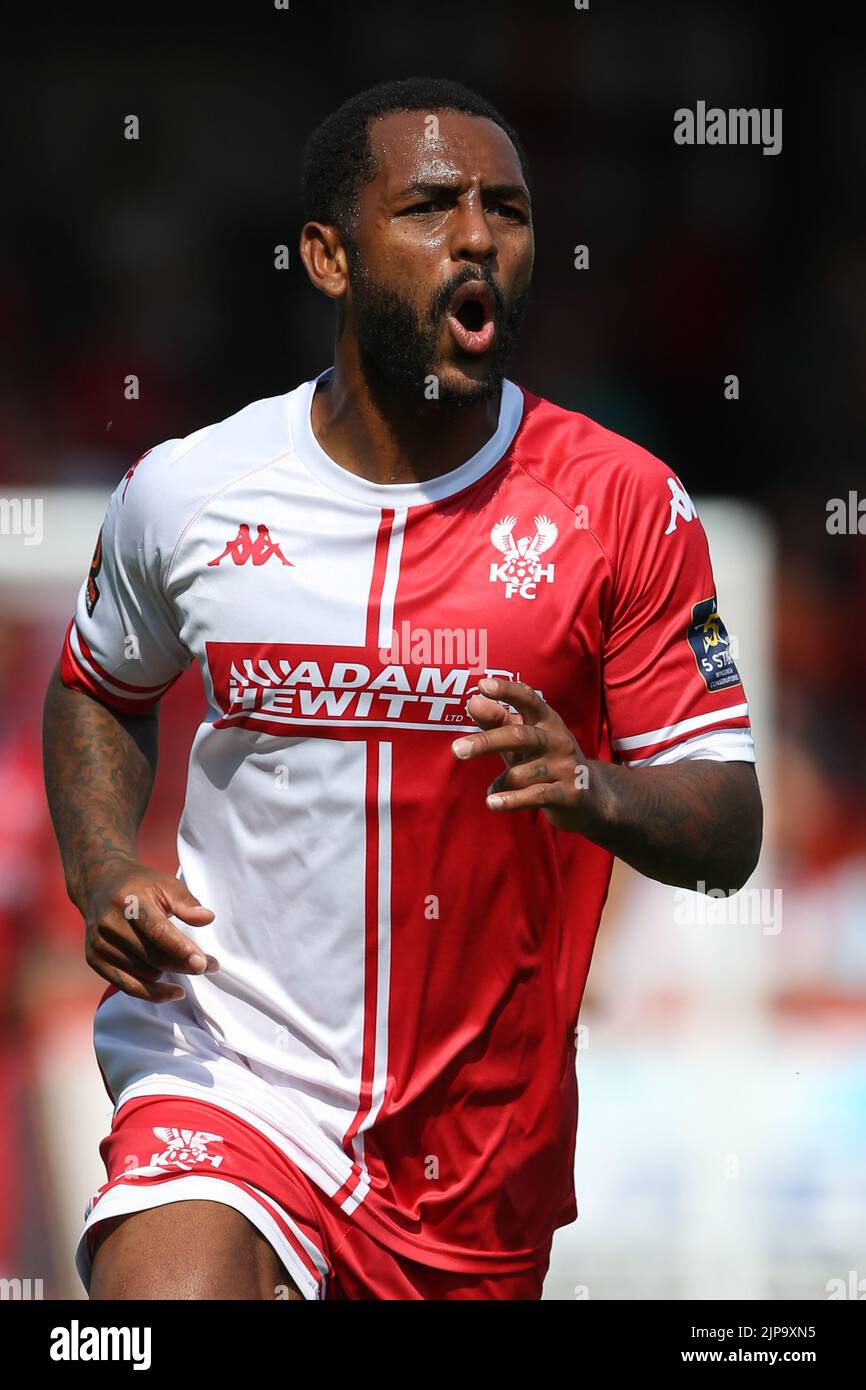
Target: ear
324	257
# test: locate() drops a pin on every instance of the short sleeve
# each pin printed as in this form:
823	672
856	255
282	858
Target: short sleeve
122	646
672	688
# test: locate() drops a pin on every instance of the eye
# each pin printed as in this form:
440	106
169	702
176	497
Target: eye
513	213
429	206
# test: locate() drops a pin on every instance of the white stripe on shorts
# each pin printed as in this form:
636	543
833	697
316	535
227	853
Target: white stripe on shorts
129	1196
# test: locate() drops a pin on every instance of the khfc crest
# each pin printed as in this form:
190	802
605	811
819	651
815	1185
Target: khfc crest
185	1148
522	571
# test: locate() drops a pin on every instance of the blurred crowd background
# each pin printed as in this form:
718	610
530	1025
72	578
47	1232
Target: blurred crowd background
155	257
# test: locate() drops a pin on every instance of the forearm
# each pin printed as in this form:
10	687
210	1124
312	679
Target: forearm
689	823
99	770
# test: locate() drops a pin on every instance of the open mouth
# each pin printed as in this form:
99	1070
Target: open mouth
471	316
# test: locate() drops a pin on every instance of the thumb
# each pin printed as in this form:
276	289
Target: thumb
182	904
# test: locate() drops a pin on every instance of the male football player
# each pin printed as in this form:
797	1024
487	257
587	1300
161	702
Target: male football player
460	647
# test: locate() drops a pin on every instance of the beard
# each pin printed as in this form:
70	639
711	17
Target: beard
399	346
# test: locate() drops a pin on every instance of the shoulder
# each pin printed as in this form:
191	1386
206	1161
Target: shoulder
167	484
622	486
574	453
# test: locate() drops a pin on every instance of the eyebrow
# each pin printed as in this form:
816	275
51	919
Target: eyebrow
495	190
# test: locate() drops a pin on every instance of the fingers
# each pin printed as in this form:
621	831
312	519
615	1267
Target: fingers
117	953
157	993
153	935
158	939
181	903
153	991
540	796
522	775
490	714
141	939
541	754
527	739
498	722
132	942
517	693
121	957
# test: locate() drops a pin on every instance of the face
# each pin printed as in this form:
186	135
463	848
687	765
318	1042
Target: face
440	265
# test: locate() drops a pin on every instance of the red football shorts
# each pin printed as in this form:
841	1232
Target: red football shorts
228	1160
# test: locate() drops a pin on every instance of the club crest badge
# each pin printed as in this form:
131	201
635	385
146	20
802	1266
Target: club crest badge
521	571
185	1147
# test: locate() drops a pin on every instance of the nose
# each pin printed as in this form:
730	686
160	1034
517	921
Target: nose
473	238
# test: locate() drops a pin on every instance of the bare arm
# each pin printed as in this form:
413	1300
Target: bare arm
695	824
99	770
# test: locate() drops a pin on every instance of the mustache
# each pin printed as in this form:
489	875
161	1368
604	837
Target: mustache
443	296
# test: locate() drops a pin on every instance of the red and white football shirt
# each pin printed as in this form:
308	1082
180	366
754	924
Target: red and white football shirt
403	966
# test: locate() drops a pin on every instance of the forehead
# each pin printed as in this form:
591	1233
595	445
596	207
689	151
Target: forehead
423	146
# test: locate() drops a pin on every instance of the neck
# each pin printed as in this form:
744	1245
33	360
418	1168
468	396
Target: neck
387	437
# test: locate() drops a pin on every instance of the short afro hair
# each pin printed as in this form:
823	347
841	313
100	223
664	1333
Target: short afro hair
338	159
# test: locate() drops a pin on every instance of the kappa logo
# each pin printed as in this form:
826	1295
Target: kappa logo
681	505
244	548
522	571
130	474
185	1147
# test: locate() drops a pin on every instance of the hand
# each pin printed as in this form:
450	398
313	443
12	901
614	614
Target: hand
545	768
130	941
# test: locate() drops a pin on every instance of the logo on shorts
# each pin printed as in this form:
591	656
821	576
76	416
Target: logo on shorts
185	1147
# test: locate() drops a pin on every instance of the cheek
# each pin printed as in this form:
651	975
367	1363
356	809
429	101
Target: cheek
410	273
414	255
519	270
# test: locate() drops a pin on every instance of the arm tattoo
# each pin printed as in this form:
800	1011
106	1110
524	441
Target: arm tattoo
685	823
99	770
